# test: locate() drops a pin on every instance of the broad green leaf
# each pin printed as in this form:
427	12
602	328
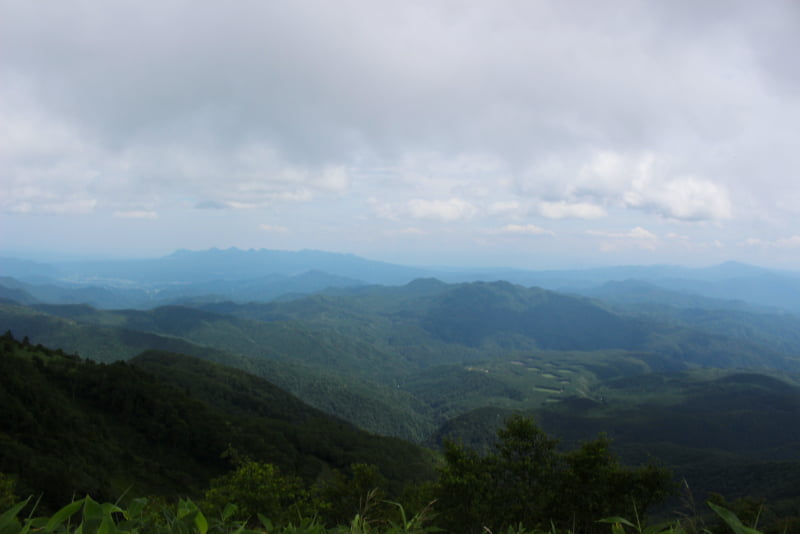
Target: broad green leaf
9	517
200	522
26	528
111	508
62	515
107	526
617	520
229	510
731	519
266	522
92	510
136	508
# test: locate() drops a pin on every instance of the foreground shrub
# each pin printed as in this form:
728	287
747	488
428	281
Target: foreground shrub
527	483
259	488
86	516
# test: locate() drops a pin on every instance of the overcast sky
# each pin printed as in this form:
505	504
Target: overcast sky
524	133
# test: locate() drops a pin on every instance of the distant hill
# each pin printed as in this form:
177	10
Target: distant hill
184	266
112	296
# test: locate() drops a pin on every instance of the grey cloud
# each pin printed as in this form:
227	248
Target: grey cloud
210	205
505	105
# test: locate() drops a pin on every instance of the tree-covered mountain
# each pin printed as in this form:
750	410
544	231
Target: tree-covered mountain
729	432
374	406
161	422
375	341
661	371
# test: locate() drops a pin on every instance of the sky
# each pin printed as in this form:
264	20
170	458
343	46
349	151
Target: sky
532	134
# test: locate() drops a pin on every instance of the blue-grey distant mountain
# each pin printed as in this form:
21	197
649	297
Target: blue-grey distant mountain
112	296
184	266
262	275
31	271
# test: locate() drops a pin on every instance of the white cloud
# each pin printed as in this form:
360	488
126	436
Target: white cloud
454	209
780	243
136	214
273	228
677	237
753	242
637	114
504	207
410	230
578	210
525	229
641	233
637	237
683	198
788	242
383	210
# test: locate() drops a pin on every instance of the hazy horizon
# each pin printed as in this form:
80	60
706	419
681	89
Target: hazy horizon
531	135
44	257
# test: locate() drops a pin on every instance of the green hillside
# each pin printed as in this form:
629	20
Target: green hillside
402	360
160	423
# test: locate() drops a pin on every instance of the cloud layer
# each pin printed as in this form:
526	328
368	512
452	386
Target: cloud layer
457	117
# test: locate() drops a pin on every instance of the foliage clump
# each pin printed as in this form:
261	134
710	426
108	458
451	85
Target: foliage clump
527	481
260	488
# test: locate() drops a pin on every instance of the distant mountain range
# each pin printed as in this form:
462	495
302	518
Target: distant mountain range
263	275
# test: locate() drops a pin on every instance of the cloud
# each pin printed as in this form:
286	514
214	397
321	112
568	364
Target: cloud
46	204
578	210
788	242
504	207
677	237
631	115
684	198
273	228
637	237
526	229
791	242
209	205
650	182
408	231
136	214
454	209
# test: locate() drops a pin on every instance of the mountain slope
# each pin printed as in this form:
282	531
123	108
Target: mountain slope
380	408
161	422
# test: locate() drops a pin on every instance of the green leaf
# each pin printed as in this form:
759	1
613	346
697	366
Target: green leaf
136	508
62	515
9	517
26	528
731	519
229	511
266	522
107	526
185	507
201	522
92	510
617	519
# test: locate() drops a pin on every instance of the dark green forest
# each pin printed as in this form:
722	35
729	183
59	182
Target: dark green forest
501	405
176	426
